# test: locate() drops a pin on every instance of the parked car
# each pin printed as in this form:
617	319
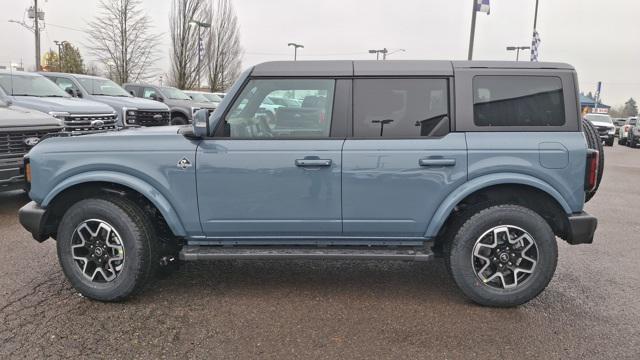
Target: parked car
182	107
138	112
202	96
604	126
618	123
20	130
482	163
34	91
624	130
633	134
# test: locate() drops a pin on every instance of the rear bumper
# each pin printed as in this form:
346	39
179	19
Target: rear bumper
582	227
32	217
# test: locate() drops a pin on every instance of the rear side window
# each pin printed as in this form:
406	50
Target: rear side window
518	101
400	108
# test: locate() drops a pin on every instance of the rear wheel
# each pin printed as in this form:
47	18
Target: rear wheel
503	255
107	248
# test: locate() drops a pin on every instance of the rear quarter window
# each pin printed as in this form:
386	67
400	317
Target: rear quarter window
518	101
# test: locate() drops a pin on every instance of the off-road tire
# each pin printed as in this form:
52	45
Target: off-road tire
179	120
138	237
475	223
594	142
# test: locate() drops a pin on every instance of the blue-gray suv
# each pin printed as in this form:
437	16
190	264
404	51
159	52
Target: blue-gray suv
484	164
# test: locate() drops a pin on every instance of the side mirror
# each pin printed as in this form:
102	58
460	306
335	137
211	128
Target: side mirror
132	93
79	94
202	127
159	98
153	97
70	91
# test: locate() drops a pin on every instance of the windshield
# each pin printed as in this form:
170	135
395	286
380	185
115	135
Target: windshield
102	87
198	97
175	94
599	118
212	97
30	85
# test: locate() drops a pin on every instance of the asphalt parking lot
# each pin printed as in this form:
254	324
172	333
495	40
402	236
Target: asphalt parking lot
307	309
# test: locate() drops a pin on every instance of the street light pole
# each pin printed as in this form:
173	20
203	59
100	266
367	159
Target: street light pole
472	35
295	50
517	49
199	24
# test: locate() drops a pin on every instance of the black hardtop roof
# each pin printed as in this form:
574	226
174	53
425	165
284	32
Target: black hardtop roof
389	67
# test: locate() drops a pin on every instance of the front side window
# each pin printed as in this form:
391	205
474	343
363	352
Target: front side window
400	108
149	93
518	101
254	114
65	84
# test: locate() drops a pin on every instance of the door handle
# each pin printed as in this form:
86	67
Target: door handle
436	162
313	162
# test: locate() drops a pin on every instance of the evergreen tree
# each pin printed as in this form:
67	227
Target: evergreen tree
630	108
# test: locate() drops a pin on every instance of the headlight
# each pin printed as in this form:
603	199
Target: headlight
129	116
59	114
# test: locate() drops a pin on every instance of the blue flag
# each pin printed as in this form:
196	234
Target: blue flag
483	6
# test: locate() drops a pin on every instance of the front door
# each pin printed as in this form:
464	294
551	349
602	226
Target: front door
402	160
273	171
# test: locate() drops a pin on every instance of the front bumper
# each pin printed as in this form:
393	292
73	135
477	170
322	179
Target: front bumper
33	218
11	178
582	227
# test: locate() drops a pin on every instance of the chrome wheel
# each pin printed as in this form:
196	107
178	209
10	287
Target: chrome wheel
504	257
97	250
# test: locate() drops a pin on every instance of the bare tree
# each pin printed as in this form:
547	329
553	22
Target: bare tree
184	41
223	46
120	38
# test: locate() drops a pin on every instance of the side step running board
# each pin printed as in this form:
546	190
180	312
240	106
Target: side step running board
196	252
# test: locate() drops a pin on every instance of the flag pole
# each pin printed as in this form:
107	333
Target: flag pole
535	18
473	29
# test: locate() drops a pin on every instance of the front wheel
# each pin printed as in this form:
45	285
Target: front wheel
179	120
107	248
503	255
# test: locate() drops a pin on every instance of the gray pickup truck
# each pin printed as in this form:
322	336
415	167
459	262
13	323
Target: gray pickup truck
34	91
484	164
20	130
182	106
132	111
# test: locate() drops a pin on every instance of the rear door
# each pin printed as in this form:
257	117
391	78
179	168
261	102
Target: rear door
402	159
275	177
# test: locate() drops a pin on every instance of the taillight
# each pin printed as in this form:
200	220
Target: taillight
591	174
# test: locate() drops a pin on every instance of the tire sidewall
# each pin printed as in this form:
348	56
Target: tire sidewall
134	249
178	120
461	255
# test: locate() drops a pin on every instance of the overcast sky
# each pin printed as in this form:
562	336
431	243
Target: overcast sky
600	38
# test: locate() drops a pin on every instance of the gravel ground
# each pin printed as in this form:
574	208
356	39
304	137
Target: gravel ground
311	309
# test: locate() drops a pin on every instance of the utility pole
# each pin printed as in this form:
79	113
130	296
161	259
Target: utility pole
295	50
37	32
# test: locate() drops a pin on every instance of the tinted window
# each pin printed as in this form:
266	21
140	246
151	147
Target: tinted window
518	101
399	108
255	115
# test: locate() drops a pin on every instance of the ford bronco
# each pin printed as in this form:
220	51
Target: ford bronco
482	163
